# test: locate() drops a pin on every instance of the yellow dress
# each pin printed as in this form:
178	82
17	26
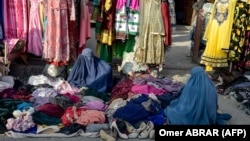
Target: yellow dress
218	33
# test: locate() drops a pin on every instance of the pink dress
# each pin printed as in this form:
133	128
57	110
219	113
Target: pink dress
85	28
15	21
57	45
35	30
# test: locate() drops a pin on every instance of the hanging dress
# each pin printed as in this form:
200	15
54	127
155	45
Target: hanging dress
85	27
238	31
35	30
105	33
16	19
218	33
167	23
74	32
245	65
57	45
16	27
150	47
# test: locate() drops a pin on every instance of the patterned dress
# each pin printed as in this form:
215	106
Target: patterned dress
104	31
57	44
238	31
244	63
149	48
218	34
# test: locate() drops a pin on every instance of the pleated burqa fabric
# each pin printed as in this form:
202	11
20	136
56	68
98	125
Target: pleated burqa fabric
92	72
197	104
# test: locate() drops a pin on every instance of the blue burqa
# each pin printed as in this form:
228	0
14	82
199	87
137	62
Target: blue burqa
91	72
197	104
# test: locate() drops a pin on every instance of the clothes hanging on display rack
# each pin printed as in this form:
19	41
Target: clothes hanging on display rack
238	31
16	27
130	20
167	23
239	46
56	44
85	28
197	30
217	34
127	27
150	49
16	19
104	28
35	45
47	29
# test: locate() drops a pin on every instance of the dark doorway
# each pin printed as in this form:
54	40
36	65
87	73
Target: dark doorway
184	10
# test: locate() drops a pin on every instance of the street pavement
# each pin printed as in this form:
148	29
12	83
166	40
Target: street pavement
177	63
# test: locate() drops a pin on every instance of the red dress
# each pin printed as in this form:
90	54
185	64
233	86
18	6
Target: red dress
167	23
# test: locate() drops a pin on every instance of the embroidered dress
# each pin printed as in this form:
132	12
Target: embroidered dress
121	20
133	22
149	48
35	29
218	33
57	45
130	29
105	29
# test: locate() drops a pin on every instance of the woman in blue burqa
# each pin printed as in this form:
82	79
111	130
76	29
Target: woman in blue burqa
197	103
91	72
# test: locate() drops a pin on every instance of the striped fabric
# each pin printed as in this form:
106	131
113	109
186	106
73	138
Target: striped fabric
16	19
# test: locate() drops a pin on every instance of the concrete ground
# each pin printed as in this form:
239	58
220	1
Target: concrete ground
177	63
